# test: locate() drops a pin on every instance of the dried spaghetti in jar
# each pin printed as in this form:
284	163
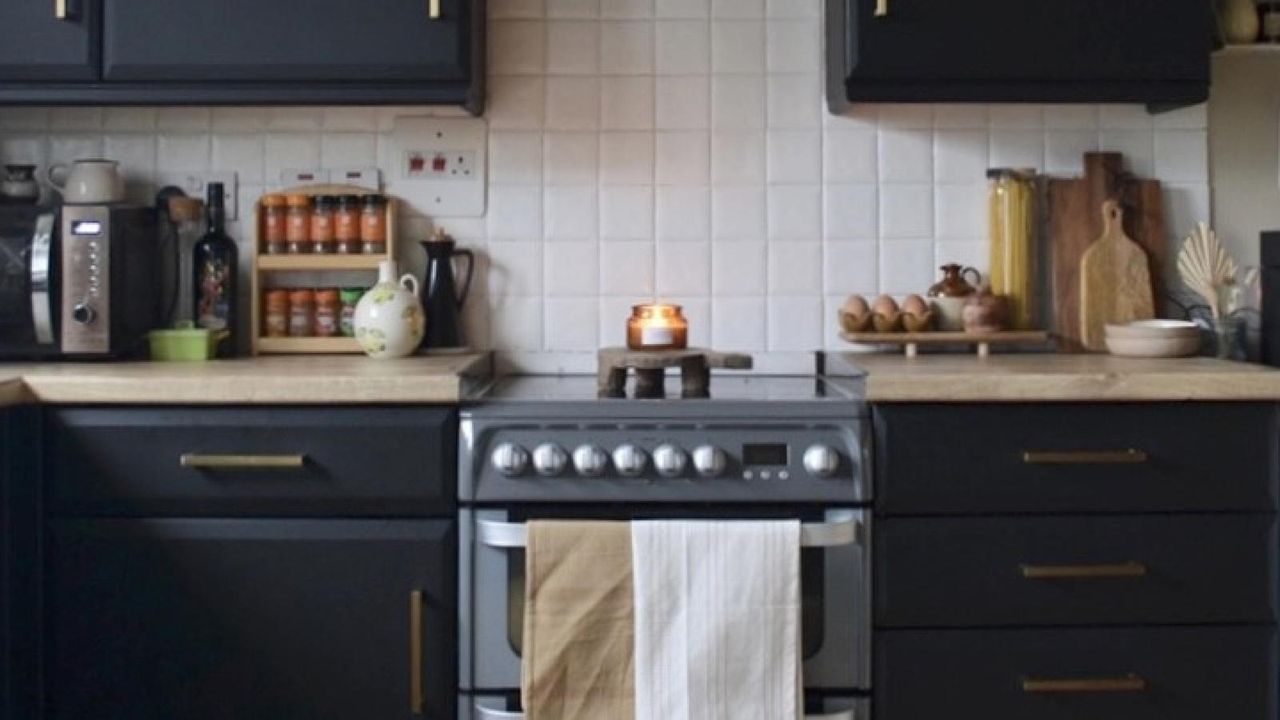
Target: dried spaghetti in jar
1012	206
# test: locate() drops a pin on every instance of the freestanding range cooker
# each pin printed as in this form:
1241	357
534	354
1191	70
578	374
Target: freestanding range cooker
758	447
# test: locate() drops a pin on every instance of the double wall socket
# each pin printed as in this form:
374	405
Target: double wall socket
438	164
197	184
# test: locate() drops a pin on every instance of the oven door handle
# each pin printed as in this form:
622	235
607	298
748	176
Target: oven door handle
842	529
484	713
41	292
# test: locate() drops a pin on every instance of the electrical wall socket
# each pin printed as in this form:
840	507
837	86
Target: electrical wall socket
437	165
196	185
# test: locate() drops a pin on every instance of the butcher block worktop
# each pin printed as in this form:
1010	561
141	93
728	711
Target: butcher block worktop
1058	378
281	380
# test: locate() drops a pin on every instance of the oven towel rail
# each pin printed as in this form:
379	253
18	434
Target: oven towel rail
484	713
842	529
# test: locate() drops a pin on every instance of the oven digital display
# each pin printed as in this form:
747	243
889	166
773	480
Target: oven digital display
765	454
86	227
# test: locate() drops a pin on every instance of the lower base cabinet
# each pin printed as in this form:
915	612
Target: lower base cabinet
1169	673
246	619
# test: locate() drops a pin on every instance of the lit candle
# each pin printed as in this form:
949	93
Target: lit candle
657	327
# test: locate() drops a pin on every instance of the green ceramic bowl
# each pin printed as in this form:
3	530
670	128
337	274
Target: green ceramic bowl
185	343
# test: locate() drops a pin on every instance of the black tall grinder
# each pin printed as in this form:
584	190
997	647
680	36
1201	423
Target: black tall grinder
443	301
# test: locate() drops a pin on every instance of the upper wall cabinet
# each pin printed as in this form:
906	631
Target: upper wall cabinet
1145	51
245	51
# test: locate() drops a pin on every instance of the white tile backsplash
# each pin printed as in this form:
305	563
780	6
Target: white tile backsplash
667	148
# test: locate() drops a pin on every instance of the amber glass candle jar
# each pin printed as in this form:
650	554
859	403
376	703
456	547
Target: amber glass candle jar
657	327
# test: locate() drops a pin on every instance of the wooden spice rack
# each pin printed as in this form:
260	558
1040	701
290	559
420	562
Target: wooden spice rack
264	265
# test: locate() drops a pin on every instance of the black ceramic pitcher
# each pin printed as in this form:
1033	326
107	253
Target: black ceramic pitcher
443	301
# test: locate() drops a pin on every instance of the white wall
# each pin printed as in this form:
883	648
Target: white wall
677	149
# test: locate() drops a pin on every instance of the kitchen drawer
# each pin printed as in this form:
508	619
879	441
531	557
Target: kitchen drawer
355	461
1192	673
1085	570
955	459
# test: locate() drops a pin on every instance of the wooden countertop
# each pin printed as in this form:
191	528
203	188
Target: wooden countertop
1059	378
314	380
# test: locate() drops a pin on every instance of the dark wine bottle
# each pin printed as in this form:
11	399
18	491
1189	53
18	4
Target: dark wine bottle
214	264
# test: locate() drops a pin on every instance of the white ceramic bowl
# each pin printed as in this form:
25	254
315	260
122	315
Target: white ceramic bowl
1167	347
1154	329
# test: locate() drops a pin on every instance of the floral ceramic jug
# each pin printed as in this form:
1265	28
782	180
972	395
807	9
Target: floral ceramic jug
389	320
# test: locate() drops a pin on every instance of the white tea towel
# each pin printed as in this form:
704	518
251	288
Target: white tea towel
717	620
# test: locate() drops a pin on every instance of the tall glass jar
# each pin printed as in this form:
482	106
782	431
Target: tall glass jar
1013	223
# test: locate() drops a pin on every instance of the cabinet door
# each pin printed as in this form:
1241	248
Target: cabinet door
37	44
371	41
207	619
1016	40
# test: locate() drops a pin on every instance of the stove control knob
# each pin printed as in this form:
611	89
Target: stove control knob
629	460
669	460
709	461
510	459
549	459
590	460
821	461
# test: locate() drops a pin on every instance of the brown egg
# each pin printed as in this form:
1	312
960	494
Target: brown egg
885	305
915	305
857	306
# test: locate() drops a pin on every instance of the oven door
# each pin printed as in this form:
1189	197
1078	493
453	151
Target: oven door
835	589
27	299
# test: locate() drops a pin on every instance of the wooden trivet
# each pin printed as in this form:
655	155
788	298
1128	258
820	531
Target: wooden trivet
650	365
912	341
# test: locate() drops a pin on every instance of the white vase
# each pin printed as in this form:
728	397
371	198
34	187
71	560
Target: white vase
389	321
1239	21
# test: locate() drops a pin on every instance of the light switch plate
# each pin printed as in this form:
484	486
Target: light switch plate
438	165
297	177
369	178
195	184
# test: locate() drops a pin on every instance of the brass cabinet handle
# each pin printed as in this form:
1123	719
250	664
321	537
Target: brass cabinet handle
1128	456
242	462
882	8
417	693
433	9
1045	686
1084	572
60	9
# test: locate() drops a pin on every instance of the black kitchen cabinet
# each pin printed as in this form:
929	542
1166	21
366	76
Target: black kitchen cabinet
1149	51
48	41
214	619
256	51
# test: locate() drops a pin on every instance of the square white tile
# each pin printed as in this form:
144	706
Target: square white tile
1124	117
795	268
683	158
239	153
737	102
851	212
1182	155
739	268
851	266
515	268
683	103
906	155
626	212
795	212
626	47
681	8
793	46
1071	117
795	101
570	213
906	267
684	268
737	157
738	323
570	158
572	324
794	156
515	102
960	116
515	212
960	155
348	150
573	47
626	158
190	152
570	269
906	211
515	157
850	156
516	47
738	46
737	8
1016	117
1064	151
738	212
576	9
626	8
684	213
515	323
626	103
793	9
682	47
961	211
626	268
573	103
795	323
1017	149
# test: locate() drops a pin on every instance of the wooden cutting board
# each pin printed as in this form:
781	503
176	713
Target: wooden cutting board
1075	223
1115	281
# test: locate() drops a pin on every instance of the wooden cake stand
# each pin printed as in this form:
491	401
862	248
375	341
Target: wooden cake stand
650	369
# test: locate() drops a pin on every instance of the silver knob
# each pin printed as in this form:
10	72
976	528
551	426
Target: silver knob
590	460
821	461
549	459
629	460
709	460
509	459
84	313
668	460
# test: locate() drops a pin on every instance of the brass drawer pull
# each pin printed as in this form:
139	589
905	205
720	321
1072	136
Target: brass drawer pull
1128	456
1084	572
1045	686
60	11
417	693
882	8
433	9
242	462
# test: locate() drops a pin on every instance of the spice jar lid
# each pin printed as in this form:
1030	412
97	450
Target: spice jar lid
374	200
277	296
327	295
272	200
185	209
352	294
302	296
298	200
348	201
324	201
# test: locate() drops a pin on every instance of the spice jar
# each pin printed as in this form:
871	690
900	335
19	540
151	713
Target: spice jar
657	327
302	313
346	224
349	297
373	225
274	219
322	225
298	223
328	310
276	319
